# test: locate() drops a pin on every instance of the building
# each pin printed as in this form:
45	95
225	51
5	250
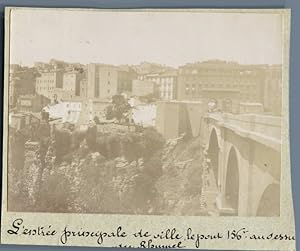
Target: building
174	118
31	103
105	81
83	88
166	79
21	82
48	81
168	85
224	82
19	121
71	82
59	94
144	88
273	90
256	108
98	109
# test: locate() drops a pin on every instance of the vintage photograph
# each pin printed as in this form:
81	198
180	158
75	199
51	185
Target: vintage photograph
175	113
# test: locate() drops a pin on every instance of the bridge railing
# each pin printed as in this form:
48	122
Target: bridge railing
266	125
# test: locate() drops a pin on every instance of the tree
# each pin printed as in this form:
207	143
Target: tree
132	146
62	139
91	137
97	120
152	142
118	99
109	113
118	109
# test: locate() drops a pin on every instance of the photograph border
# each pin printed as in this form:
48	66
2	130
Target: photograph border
285	188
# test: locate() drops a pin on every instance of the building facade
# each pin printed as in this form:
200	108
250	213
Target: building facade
71	82
273	90
83	88
32	103
48	81
166	79
175	118
104	81
226	83
168	85
143	87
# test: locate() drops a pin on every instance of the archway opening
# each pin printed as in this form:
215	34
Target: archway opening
232	182
213	153
269	205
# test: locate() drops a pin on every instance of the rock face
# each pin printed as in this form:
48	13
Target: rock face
181	182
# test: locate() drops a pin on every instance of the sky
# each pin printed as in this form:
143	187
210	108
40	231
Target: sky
169	38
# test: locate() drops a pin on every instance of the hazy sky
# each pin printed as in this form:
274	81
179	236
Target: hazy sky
169	38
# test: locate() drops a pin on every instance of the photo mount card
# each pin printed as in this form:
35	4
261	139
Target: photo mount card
147	128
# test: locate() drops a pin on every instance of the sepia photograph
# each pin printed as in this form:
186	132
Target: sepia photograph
174	113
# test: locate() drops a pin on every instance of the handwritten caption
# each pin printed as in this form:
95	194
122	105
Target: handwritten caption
166	238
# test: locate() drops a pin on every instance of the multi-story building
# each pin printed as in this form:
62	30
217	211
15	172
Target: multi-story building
166	79
31	103
226	83
104	81
273	90
71	82
168	85
21	82
143	87
48	81
83	88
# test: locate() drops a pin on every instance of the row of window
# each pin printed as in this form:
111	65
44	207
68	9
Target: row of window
162	80
221	85
167	86
166	94
39	81
44	88
245	96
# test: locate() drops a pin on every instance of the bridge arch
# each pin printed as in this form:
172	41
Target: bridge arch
269	204
232	181
213	152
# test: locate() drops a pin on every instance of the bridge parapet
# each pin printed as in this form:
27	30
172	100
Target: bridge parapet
262	128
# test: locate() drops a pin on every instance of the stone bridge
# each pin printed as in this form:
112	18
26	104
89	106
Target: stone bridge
244	153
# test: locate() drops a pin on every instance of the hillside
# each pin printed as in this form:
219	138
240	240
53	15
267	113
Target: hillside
123	173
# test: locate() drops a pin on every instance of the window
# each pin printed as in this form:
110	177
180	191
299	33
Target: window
187	89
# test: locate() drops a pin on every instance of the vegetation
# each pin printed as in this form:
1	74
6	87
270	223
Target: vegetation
119	108
90	172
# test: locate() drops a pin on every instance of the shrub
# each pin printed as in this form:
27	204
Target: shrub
62	138
152	141
132	146
91	137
